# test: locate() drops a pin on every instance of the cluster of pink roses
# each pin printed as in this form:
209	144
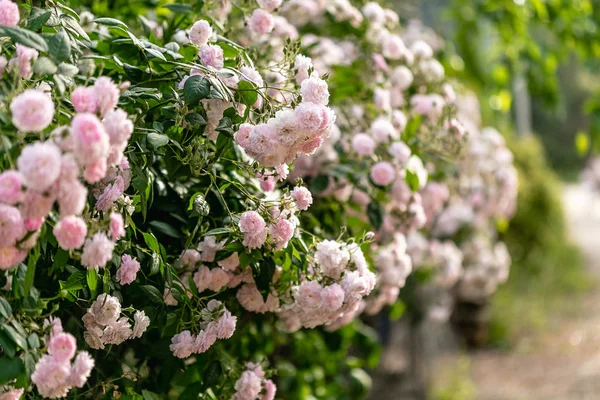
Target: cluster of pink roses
55	374
252	385
216	323
104	324
340	279
49	171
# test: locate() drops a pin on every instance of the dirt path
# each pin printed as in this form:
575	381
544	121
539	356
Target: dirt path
563	362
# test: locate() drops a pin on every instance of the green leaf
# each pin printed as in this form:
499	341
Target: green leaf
166	229
192	392
60	260
15	336
263	276
179	8
228	50
150	395
218	231
34	341
153	294
412	180
247	92
195	89
412	127
30	274
212	374
195	119
92	280
111	22
37	18
157	140
25	37
7	345
44	66
375	214
10	368
319	184
59	46
151	241
5	308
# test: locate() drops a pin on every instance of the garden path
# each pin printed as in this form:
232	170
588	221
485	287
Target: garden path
563	361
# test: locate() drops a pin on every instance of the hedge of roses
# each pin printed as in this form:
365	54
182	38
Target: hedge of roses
194	195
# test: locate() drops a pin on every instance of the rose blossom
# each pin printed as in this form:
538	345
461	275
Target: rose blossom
200	32
97	251
261	22
254	228
81	369
107	94
140	325
39	164
211	56
117	227
11	256
23	60
269	5
182	344
14	394
84	99
62	346
128	270
70	232
90	138
10	187
383	173
315	90
9	13
32	111
363	144
302	196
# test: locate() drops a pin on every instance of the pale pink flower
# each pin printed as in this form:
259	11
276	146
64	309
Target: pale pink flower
200	32
208	248
219	278
11	183
81	369
71	197
12	226
315	90
128	270
254	228
182	344
383	130
202	278
363	144
107	94
23	60
211	56
62	346
393	47
36	205
308	295
226	325
400	151
32	111
310	117
9	13
11	256
90	138
190	257
70	232
39	164
270	390
269	5
117	332
383	173
206	338
332	257
97	251
401	77
231	263
242	136
33	224
251	299
14	394
332	297
140	325
248	386
51	377
95	171
302	196
261	22
105	309
84	99
282	232
117	227
118	127
111	193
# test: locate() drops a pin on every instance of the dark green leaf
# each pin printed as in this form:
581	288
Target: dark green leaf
195	119
192	391
92	280
195	89
15	336
10	369
30	274
153	294
248	93
37	18
263	276
150	395
218	231
151	241
319	183
412	180
5	308
179	8
7	345
34	341
375	214
165	228
59	46
213	373
25	37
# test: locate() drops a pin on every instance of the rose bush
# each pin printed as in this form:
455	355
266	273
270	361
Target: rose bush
183	190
